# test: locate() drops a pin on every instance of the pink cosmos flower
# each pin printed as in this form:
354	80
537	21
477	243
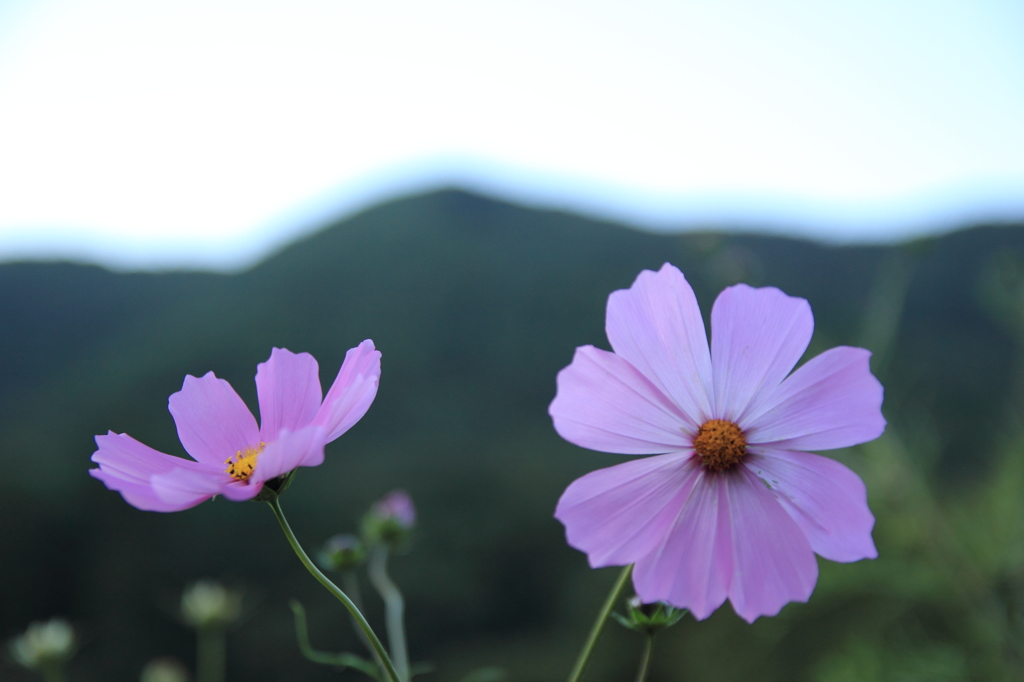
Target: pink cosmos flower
732	507
395	506
233	457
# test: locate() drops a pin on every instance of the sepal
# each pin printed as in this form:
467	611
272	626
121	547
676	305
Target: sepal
648	618
273	488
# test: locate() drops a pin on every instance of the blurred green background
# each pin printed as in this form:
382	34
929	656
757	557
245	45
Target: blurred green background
476	305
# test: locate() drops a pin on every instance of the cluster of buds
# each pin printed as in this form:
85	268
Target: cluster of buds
208	604
389	522
648	618
44	646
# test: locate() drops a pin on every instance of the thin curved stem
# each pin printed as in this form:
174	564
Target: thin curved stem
645	659
602	618
378	648
394	608
342	660
350	584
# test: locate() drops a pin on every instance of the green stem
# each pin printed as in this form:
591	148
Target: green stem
210	654
645	659
602	618
53	672
394	608
333	589
350	583
342	660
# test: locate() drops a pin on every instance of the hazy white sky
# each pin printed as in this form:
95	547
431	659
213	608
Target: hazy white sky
207	132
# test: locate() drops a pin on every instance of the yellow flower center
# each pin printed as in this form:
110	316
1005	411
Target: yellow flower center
720	444
241	466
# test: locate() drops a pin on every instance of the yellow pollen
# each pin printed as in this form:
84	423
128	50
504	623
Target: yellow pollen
720	444
241	466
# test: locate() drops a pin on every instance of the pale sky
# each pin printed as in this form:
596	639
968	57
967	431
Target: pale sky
206	133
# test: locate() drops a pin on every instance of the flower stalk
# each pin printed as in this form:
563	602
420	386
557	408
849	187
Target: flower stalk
342	660
394	608
350	581
378	648
210	654
645	658
53	673
598	627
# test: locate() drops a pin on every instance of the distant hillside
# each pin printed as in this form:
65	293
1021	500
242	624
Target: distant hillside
475	305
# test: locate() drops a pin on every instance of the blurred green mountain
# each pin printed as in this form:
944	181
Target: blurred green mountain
475	305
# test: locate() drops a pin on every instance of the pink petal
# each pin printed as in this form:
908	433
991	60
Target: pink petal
692	567
240	491
657	327
288	386
620	514
604	403
213	422
731	538
832	401
137	495
126	465
352	392
773	562
304	447
121	455
757	337
186	488
827	500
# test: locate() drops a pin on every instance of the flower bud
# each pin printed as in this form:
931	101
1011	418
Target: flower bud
44	645
343	553
649	618
390	519
206	603
164	670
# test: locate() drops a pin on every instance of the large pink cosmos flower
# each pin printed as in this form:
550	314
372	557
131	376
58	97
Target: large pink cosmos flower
732	507
234	457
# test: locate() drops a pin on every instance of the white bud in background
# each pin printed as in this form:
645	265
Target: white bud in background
44	645
164	669
206	603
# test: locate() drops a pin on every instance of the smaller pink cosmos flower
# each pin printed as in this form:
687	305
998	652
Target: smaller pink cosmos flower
732	506
395	506
390	519
233	457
